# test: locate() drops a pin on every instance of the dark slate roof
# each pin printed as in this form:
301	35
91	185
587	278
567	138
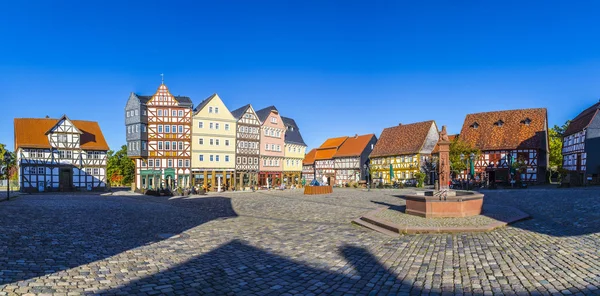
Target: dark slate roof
292	135
185	101
264	113
237	113
582	120
203	103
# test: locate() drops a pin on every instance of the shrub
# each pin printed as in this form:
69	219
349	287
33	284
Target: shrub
420	176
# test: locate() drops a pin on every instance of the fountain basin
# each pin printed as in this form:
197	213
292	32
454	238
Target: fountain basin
455	204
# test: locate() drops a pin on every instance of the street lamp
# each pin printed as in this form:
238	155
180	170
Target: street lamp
7	160
367	177
462	159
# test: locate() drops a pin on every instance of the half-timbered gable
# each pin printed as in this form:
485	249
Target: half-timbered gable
400	149
272	146
159	139
506	137
214	138
350	159
581	145
294	151
308	166
60	154
247	148
324	163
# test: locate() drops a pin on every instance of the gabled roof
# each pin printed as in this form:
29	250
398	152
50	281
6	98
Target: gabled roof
204	103
582	120
354	146
64	117
309	158
333	143
31	133
323	154
508	129
292	133
263	113
436	149
237	113
402	139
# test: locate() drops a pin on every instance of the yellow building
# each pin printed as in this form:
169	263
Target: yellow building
213	145
294	152
402	149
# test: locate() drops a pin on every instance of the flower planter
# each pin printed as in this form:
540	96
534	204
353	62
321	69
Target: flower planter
311	190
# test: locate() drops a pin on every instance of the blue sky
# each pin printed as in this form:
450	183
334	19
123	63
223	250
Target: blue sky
337	67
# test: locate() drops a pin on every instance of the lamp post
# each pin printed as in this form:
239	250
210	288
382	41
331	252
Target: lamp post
462	159
367	177
7	159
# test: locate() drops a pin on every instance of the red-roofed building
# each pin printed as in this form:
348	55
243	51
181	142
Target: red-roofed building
60	154
308	166
324	163
581	144
505	137
351	157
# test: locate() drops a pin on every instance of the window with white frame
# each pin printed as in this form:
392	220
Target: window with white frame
136	113
88	171
160	128
180	145
201	157
174	145
217	125
170	163
200	124
216	110
211	158
226	158
217	142
150	162
210	125
41	170
273	120
96	172
226	142
201	141
174	113
187	163
160	145
167	145
167	129
180	163
217	157
159	112
180	113
210	110
180	129
227	126
211	142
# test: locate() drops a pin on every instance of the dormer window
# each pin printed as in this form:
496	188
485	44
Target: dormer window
499	123
475	125
526	121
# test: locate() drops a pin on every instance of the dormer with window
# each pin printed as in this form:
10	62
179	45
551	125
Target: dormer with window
526	121
475	125
499	123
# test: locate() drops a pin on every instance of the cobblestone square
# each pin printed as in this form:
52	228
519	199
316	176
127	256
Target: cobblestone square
285	243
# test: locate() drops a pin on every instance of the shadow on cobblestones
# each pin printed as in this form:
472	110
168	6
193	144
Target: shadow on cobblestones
241	269
45	234
556	212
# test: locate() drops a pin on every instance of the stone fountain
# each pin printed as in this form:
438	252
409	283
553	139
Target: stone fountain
444	202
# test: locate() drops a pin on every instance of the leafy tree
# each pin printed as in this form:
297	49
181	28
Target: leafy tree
120	169
555	137
458	147
420	176
12	172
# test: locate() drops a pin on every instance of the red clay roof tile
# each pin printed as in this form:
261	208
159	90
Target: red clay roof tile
31	133
402	139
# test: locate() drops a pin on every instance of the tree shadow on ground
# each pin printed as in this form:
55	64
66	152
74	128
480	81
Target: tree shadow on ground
555	212
44	234
237	268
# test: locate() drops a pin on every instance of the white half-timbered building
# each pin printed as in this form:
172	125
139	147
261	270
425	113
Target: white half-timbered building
159	139
581	146
308	166
60	154
350	159
248	147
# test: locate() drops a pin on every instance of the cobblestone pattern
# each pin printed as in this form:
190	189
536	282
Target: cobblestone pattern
285	243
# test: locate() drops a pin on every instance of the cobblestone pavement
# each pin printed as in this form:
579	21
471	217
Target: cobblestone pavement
284	243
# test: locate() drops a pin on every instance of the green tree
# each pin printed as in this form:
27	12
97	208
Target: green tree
458	147
11	172
555	138
120	168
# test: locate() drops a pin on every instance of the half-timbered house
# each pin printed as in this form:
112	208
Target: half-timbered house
159	139
272	143
308	166
60	154
350	159
214	138
581	145
402	149
324	163
516	139
247	152
294	151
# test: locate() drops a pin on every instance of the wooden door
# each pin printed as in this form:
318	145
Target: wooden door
65	179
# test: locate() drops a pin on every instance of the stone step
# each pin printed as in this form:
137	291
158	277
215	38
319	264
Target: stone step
380	223
374	227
